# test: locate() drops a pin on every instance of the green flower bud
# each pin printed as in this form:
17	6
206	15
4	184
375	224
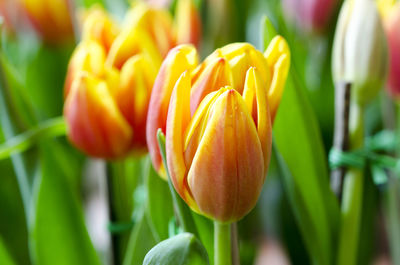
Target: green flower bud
360	50
182	249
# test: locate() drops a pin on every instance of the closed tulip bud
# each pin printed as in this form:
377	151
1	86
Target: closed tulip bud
51	18
360	50
218	127
391	15
110	78
310	15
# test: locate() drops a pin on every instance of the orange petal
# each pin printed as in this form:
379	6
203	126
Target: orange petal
132	96
178	119
179	59
188	23
88	56
98	26
227	172
95	124
241	56
215	75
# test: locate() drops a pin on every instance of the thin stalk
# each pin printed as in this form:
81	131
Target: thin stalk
222	244
234	244
341	133
122	179
352	195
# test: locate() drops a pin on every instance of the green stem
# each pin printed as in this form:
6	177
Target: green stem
352	195
222	244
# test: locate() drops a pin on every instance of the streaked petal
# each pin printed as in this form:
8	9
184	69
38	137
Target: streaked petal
227	172
179	59
188	23
88	56
178	119
95	124
215	75
255	97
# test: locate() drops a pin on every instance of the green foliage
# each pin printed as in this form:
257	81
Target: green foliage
58	231
307	182
182	249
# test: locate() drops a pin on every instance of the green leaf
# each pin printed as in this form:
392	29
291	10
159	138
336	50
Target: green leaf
142	239
13	228
4	255
297	135
316	210
182	249
59	235
159	200
50	128
123	179
268	31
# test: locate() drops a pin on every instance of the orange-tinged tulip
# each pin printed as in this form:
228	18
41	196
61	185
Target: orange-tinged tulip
110	78
218	158
390	11
51	18
188	22
235	66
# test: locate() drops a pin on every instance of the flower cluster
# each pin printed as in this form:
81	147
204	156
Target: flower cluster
111	75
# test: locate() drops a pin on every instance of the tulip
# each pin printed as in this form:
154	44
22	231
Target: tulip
310	15
110	78
218	126
360	50
51	18
391	16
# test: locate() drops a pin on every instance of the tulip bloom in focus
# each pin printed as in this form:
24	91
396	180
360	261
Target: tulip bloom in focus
310	15
51	18
218	127
390	11
110	78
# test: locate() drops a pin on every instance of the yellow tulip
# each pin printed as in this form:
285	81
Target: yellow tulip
218	123
110	77
51	18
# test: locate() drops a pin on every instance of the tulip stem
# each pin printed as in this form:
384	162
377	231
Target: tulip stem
353	187
222	243
341	133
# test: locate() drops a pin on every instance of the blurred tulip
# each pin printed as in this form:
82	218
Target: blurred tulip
188	22
51	18
110	77
310	15
218	128
390	11
360	49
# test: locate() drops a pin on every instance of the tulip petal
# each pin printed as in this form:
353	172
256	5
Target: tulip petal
216	75
98	26
179	59
130	42
178	119
227	172
95	124
241	56
255	97
132	95
278	57
88	56
188	23
195	130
